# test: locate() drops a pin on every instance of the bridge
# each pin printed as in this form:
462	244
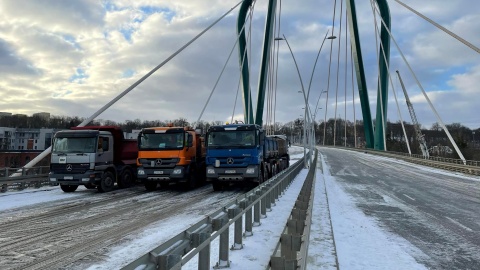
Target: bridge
408	202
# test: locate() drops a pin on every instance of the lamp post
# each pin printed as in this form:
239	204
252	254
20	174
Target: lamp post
307	111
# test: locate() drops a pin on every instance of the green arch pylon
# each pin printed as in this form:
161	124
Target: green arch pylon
372	141
267	42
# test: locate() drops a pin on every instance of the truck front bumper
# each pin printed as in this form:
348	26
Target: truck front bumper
232	174
88	177
161	174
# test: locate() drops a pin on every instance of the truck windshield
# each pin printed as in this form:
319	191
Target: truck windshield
74	145
161	141
219	139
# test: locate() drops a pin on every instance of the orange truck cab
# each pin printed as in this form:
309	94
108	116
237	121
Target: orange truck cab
171	155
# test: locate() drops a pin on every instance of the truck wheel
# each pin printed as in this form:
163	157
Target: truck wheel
107	182
217	186
126	179
151	186
69	188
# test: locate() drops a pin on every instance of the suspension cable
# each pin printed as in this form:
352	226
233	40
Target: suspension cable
346	67
328	80
218	79
426	97
338	72
470	45
353	97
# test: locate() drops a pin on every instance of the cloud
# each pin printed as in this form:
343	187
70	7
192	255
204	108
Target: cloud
71	58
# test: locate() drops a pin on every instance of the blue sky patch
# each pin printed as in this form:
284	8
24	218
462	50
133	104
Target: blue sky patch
78	76
128	73
167	13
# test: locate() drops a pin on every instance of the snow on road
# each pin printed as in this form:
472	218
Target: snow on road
357	239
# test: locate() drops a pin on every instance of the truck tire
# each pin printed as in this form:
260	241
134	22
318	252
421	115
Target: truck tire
126	179
107	182
69	188
151	186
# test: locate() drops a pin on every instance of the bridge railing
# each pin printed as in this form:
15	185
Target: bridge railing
450	164
32	177
196	240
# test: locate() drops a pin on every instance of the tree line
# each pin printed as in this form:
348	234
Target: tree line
339	132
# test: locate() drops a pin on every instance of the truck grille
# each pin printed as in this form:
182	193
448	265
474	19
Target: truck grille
159	162
69	168
231	161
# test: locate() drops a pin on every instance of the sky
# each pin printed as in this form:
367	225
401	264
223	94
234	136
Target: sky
70	58
360	241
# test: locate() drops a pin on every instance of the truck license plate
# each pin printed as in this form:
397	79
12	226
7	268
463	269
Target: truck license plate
157	172
230	171
68	178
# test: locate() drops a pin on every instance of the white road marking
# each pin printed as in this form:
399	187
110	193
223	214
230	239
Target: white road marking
459	224
409	197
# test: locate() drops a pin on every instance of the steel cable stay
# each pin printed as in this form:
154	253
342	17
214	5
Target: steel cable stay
439	119
470	45
218	79
329	69
277	52
345	82
353	97
338	73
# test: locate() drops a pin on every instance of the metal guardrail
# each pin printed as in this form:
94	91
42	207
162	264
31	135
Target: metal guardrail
456	165
196	240
292	250
33	177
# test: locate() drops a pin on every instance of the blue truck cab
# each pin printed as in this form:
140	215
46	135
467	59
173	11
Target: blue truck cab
235	153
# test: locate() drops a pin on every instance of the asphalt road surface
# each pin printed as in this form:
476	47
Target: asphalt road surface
437	211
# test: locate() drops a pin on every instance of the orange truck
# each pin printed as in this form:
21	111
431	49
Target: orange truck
171	155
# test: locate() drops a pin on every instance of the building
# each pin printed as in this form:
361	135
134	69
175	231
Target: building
5	114
20	145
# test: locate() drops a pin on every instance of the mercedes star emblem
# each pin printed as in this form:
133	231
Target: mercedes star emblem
229	160
69	167
158	162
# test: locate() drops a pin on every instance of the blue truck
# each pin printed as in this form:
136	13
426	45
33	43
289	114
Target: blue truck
242	153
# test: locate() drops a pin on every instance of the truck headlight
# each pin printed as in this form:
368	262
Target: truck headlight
250	170
141	172
210	171
177	171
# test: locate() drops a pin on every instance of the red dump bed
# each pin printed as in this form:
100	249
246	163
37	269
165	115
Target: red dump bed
125	150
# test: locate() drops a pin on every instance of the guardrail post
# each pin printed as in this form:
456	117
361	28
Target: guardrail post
248	219
263	208
256	212
268	198
4	188
204	254
237	241
223	261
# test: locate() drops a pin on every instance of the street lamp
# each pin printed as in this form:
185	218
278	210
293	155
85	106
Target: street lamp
307	111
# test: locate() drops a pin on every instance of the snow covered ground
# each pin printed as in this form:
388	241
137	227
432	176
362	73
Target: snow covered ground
351	240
